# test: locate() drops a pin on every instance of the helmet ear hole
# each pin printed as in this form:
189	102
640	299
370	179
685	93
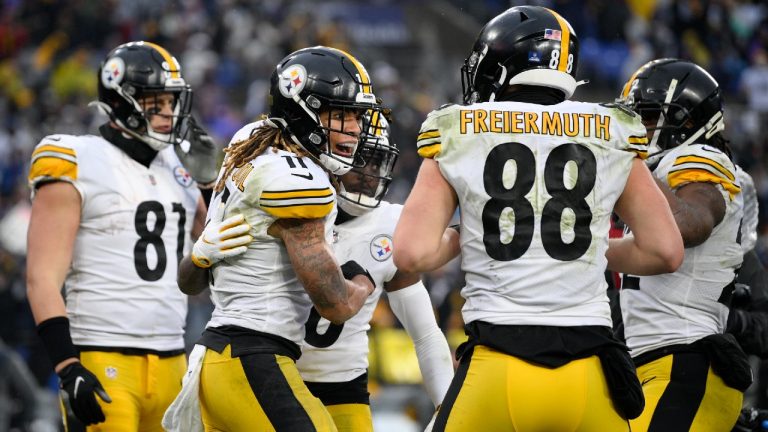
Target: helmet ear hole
133	121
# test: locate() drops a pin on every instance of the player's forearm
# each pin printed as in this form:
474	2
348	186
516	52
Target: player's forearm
319	272
358	290
421	258
412	306
625	255
44	297
690	208
435	364
192	280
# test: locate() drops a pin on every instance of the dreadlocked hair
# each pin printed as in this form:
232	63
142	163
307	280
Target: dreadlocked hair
720	142
242	152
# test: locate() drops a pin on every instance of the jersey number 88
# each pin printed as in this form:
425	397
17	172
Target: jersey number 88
514	198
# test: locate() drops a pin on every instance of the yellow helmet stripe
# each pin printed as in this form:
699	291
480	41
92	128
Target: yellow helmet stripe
365	79
628	85
565	41
172	63
375	126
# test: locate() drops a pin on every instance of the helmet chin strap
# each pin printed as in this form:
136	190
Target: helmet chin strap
335	165
155	140
713	126
347	202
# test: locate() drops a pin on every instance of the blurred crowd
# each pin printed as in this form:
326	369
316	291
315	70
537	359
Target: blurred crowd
50	51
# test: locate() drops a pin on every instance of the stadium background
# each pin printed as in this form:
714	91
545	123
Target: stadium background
50	51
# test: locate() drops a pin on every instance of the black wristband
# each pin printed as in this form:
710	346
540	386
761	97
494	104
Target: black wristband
58	342
351	269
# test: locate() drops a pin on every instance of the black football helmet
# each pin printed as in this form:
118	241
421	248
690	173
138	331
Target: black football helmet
677	99
529	45
312	81
137	70
363	188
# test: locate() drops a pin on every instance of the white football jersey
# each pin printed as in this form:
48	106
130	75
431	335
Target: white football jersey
339	353
751	209
135	226
536	187
259	289
685	306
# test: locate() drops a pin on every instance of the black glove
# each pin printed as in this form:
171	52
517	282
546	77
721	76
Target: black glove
351	269
201	157
81	387
751	419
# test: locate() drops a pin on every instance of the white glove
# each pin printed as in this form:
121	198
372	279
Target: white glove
221	239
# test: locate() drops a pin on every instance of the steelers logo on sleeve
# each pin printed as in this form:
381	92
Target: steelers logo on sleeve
381	247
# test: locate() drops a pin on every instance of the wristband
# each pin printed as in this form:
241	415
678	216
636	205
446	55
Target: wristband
351	269
58	342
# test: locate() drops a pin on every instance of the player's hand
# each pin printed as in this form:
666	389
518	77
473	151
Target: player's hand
198	153
81	387
351	269
221	239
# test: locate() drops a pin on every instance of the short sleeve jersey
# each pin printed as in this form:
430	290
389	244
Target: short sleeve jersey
691	303
259	290
134	228
339	353
536	187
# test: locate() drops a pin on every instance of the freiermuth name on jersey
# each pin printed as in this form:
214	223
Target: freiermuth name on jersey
570	124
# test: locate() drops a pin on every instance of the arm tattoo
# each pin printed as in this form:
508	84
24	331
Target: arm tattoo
314	263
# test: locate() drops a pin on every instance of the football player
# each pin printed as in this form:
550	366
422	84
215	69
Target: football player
111	218
693	376
334	358
276	177
536	178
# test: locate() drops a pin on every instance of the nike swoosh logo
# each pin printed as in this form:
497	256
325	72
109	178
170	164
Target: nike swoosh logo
307	176
647	380
78	380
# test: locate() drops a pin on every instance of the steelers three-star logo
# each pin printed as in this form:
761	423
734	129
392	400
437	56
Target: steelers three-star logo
381	247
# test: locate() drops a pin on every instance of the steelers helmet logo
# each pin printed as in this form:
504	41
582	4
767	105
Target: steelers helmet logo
113	73
292	80
381	247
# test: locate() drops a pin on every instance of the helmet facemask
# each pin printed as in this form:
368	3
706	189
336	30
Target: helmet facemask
363	188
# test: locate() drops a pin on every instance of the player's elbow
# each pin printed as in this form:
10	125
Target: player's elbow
408	261
336	314
670	255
